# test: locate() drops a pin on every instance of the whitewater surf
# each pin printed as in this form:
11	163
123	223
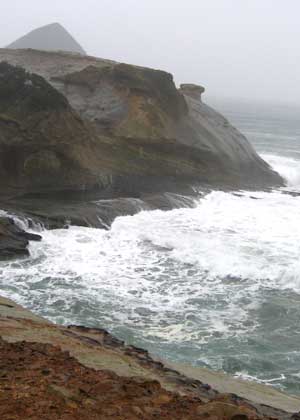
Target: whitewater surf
215	285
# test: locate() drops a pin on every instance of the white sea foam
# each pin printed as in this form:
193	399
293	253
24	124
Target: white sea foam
287	167
191	275
275	382
170	264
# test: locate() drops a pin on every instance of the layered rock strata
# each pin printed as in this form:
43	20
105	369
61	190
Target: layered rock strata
119	129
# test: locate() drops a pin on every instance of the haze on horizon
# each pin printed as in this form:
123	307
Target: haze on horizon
237	49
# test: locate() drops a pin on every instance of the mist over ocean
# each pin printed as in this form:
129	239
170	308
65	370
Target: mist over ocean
217	285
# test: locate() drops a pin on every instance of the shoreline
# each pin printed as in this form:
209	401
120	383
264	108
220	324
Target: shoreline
256	392
97	349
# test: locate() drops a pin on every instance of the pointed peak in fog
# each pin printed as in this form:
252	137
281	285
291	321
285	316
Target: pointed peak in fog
52	37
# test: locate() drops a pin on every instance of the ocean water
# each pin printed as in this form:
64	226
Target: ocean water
217	285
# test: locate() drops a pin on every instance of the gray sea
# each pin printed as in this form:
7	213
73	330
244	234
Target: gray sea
217	285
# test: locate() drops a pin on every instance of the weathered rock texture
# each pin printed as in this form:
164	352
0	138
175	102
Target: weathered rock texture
193	91
53	372
44	145
126	129
41	381
53	37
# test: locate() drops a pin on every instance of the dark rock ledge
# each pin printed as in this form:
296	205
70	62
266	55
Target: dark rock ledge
14	240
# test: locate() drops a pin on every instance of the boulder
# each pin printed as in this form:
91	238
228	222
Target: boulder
14	240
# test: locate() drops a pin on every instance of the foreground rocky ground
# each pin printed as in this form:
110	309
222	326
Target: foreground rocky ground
39	381
52	372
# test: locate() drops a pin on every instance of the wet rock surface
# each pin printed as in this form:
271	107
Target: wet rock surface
57	213
14	240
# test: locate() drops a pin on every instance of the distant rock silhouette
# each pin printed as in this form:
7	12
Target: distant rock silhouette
53	37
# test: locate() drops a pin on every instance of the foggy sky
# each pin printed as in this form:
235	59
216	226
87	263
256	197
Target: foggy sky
247	49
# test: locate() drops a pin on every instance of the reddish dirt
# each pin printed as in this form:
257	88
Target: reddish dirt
41	382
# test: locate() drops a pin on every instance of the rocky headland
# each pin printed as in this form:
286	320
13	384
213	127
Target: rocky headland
82	141
124	128
76	129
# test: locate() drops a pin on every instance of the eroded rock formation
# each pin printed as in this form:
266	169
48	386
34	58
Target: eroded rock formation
193	91
115	128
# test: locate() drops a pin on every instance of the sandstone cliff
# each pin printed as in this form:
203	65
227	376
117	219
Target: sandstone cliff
132	131
44	145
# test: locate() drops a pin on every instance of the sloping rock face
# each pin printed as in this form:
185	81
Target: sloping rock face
44	145
143	106
53	37
210	132
141	133
131	102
